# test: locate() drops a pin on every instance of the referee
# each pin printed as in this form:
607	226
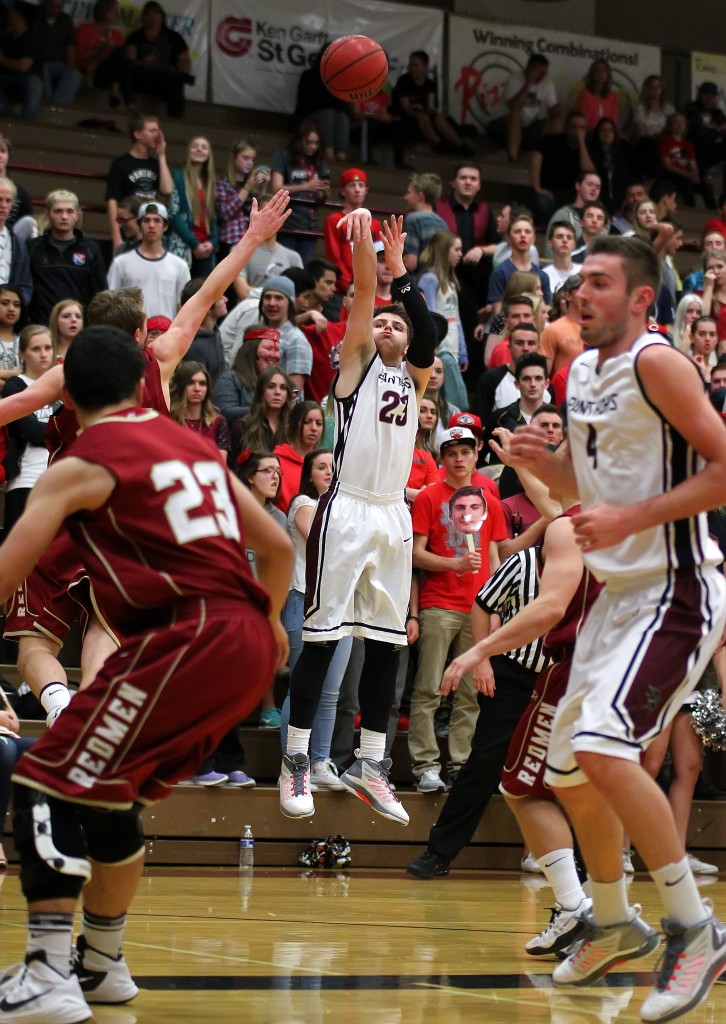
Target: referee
513	585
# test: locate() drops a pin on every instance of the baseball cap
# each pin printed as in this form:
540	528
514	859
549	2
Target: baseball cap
352	174
278	283
158	323
468	420
154	207
457	435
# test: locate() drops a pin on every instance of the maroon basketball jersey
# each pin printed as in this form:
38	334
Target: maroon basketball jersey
62	427
562	637
169	532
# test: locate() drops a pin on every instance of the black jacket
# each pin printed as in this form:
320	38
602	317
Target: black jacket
76	272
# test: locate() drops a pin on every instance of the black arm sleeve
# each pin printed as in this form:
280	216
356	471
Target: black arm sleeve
423	343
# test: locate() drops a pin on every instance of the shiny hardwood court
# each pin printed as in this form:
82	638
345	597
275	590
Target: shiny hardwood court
295	947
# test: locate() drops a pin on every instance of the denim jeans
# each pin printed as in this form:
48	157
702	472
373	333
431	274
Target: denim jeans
60	83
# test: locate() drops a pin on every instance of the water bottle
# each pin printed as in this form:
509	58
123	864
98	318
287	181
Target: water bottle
247	848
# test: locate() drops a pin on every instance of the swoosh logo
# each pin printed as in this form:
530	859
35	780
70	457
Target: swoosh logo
684	875
6	1005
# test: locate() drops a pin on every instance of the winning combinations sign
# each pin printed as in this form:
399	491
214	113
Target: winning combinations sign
261	50
483	55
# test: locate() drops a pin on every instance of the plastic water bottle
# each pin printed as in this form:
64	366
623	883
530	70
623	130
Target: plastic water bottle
247	848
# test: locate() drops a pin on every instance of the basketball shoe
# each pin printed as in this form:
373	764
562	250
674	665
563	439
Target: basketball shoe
296	800
103	979
35	993
565	928
693	960
368	779
604	947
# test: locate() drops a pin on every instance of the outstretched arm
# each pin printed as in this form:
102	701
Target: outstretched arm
44	391
358	346
171	347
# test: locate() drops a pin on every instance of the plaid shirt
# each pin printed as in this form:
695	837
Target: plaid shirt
233	215
296	354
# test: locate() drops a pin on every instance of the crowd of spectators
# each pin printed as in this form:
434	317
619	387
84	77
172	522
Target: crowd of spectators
257	379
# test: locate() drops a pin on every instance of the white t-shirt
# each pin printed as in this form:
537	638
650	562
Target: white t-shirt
161	280
299	542
264	263
557	277
540	97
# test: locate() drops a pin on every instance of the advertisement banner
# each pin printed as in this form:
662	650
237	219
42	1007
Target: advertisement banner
572	15
260	53
190	18
482	55
709	67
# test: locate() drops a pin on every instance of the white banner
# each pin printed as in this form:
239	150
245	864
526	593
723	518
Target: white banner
573	15
260	50
483	55
709	67
190	18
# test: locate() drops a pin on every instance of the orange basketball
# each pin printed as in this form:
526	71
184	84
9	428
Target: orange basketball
354	68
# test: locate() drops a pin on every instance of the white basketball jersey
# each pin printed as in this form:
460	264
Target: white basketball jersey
375	430
623	452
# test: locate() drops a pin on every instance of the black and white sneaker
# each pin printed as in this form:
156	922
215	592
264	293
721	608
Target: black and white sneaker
35	993
103	979
565	928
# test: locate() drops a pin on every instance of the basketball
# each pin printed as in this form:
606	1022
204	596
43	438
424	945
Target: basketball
354	68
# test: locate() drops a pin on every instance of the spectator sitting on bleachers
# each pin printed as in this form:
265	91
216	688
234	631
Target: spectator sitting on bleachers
440	287
142	171
64	323
99	50
521	303
329	115
621	222
707	132
127	218
193	213
11	316
64	264
555	165
302	169
353	190
533	110
598	98
19	76
325	274
157	61
496	388
595	221
269	259
20	219
277	309
587	189
678	159
265	425
304	431
53	37
520	236
649	121
244	181
421	221
14	262
191	403
159	274
235	388
207	345
613	159
713	241
561	240
416	102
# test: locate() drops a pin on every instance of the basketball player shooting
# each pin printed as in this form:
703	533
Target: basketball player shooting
359	549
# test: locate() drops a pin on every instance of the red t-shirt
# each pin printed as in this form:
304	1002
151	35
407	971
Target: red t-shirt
170	532
489	486
326	358
291	465
449	589
501	354
423	470
339	250
680	153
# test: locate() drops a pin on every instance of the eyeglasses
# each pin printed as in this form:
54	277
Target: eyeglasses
269	472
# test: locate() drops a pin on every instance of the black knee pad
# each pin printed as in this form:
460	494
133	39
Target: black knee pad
112	837
49	841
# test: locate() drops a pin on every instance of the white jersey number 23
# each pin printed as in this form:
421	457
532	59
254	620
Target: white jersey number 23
181	505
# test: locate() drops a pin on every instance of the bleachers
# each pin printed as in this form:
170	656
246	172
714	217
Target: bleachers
203	826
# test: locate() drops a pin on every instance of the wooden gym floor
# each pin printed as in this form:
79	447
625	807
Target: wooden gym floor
295	947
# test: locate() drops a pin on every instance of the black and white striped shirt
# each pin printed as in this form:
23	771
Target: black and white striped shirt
513	585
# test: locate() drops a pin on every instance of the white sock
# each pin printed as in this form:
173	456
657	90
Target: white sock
610	902
298	740
55	695
560	871
52	932
104	934
679	893
372	744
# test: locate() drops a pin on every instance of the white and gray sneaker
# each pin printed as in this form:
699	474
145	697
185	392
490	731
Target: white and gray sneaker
296	800
324	775
693	960
565	928
531	865
628	866
700	867
368	780
430	782
103	979
35	993
604	947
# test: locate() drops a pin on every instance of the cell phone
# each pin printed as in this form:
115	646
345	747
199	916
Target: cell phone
263	169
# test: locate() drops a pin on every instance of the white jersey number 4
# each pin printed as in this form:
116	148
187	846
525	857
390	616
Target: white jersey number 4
179	506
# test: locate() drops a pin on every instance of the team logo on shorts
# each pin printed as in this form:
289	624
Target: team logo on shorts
79	258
